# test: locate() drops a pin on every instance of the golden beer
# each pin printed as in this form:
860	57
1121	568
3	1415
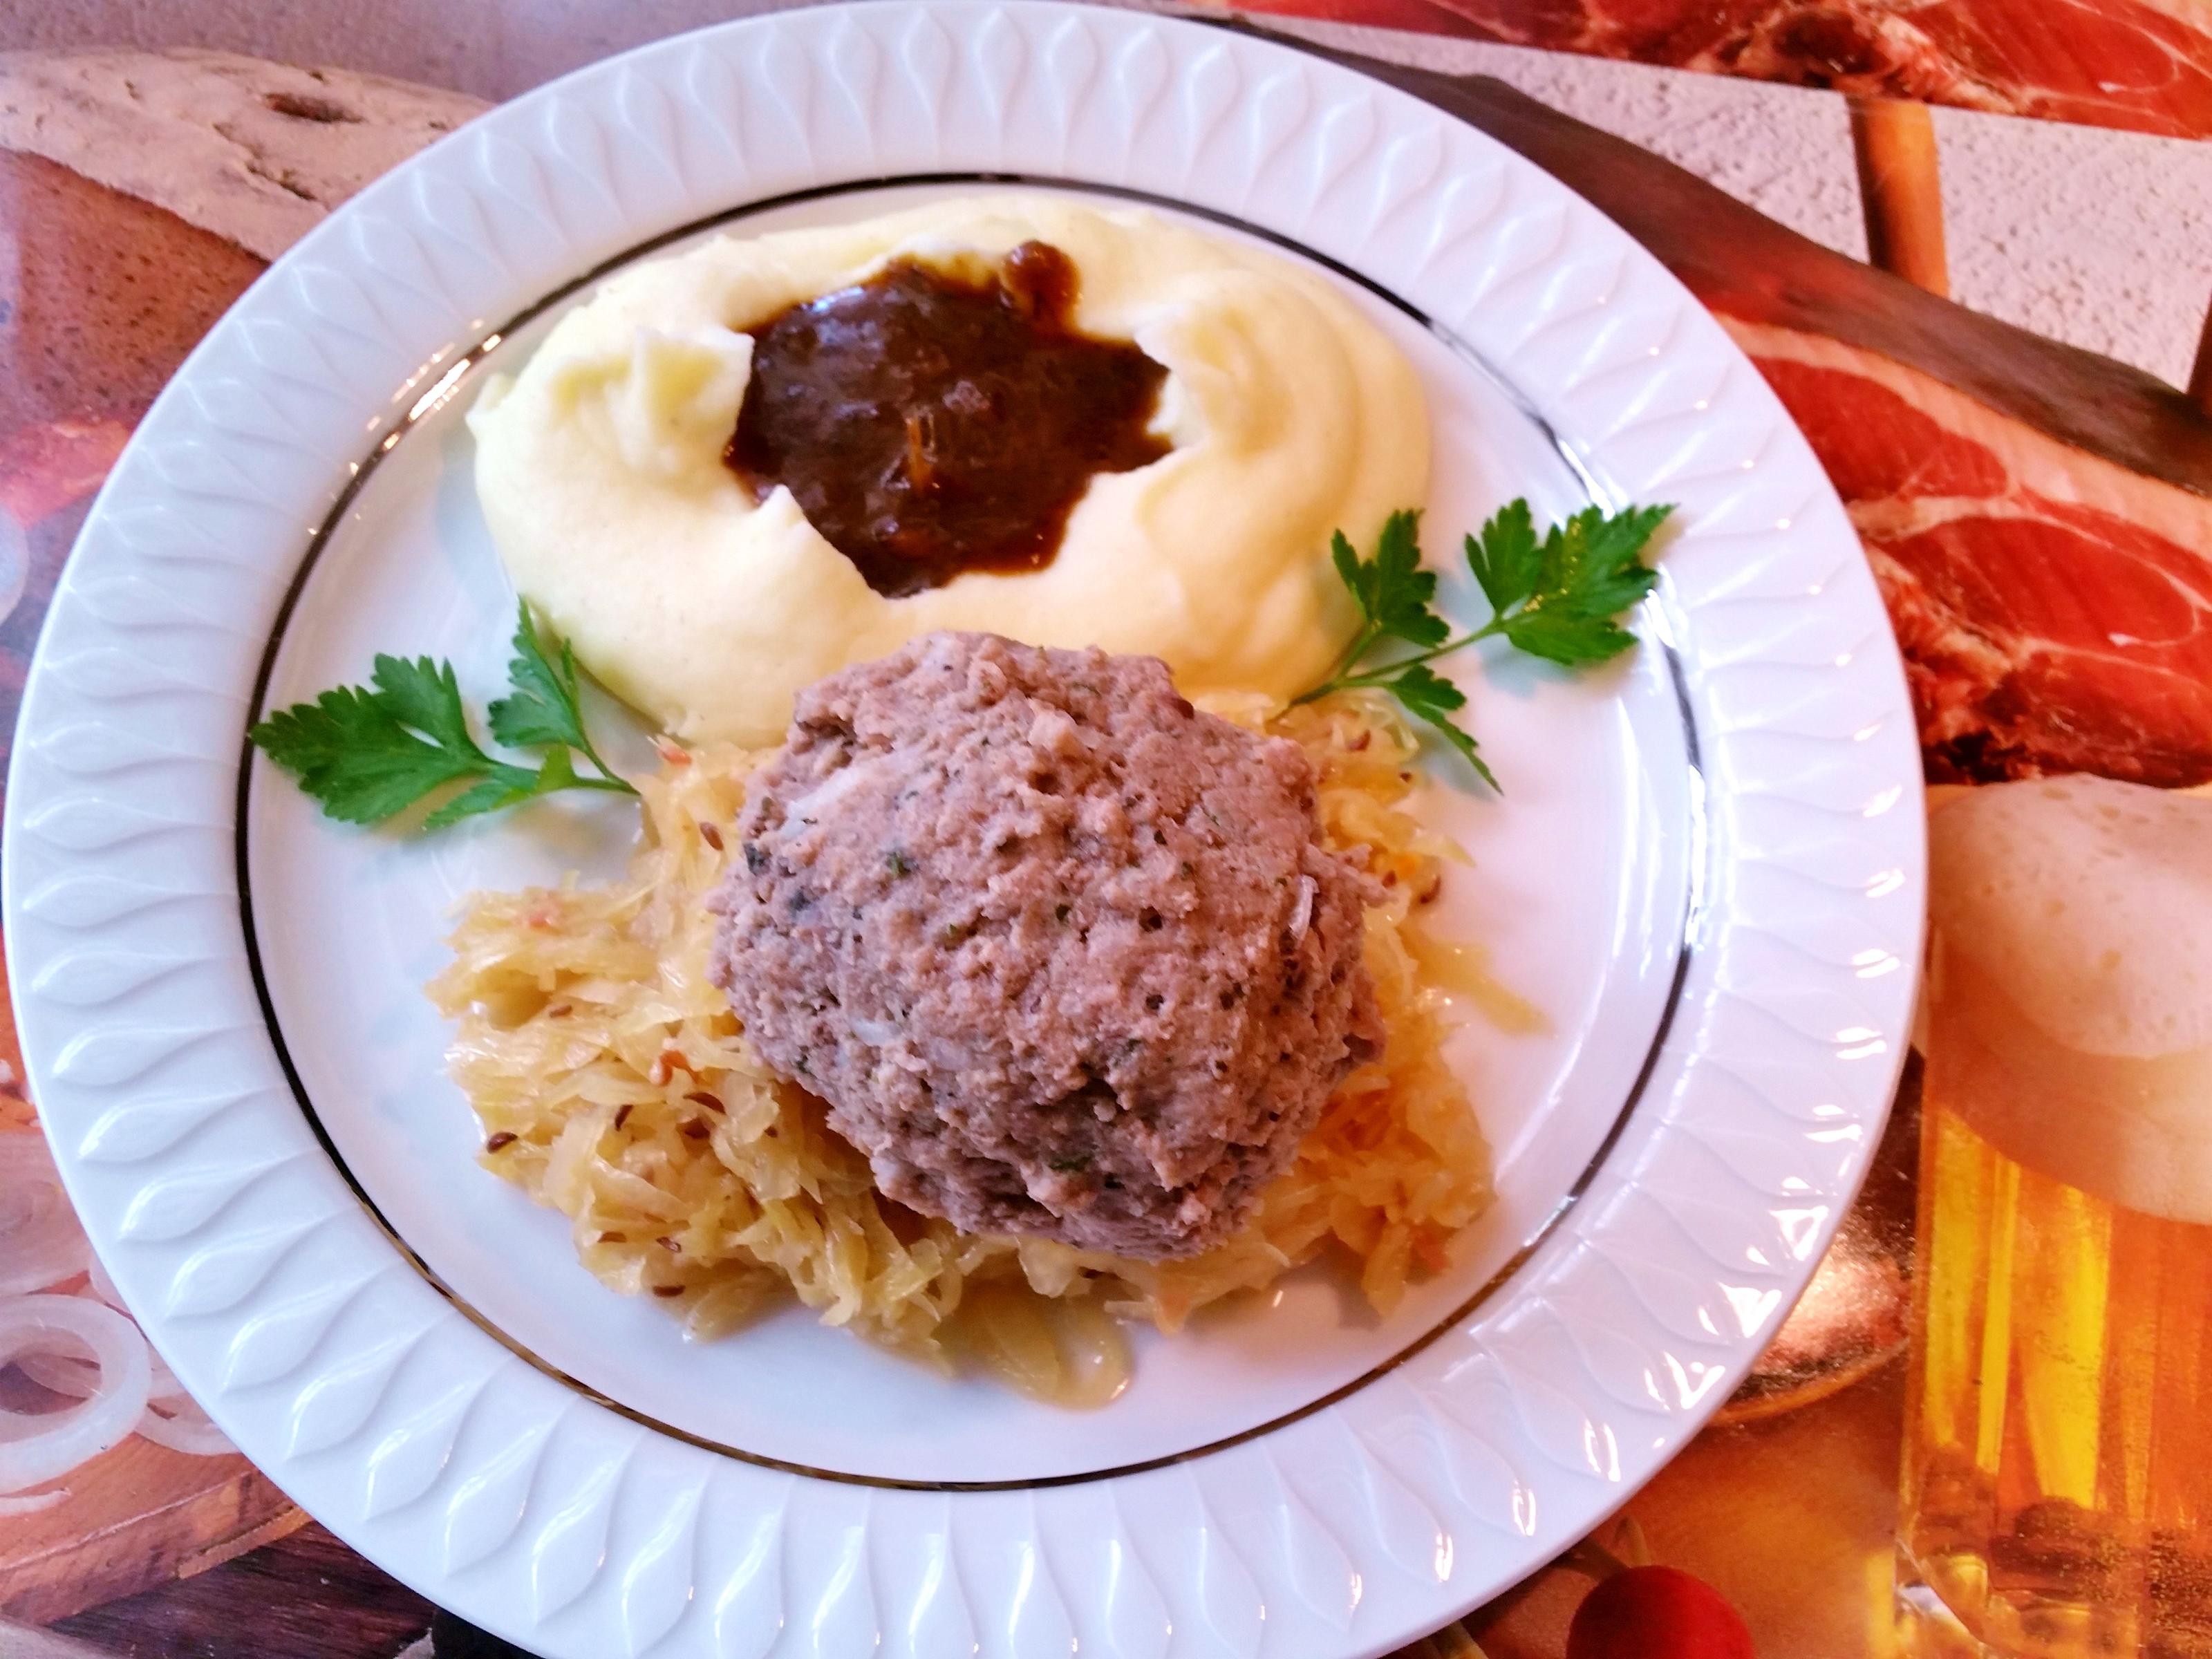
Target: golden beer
2058	1479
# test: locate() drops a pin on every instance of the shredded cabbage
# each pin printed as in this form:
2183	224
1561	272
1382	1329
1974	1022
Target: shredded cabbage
613	1083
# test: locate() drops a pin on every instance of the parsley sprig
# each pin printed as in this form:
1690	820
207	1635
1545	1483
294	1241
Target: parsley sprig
1559	598
368	753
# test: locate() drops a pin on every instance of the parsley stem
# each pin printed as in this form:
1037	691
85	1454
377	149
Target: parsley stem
608	778
1381	675
1369	633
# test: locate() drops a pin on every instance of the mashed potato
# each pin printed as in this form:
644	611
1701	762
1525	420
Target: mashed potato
600	470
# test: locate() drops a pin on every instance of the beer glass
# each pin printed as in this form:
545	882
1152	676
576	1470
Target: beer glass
2057	1493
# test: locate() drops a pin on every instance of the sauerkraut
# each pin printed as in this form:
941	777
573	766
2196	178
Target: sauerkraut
612	1084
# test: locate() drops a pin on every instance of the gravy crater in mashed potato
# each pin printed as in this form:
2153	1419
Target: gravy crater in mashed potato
1287	415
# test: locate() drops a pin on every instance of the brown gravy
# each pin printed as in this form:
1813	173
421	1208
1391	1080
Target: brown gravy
929	425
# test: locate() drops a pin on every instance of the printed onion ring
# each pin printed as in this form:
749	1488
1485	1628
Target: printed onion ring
178	1423
75	1377
41	1242
173	1418
36	1448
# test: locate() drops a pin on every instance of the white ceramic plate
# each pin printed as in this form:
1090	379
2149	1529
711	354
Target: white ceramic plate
1707	871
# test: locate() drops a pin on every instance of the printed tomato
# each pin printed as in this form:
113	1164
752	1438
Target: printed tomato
1657	1612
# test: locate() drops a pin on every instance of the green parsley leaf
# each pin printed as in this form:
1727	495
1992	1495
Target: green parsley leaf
542	709
1393	591
421	694
488	796
1430	697
1507	561
1559	598
1589	570
352	751
368	753
1558	635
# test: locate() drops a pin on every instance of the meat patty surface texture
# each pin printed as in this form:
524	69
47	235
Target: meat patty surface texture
1062	954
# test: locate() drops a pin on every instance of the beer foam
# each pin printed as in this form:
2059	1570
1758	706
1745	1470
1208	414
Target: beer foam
2089	902
2069	989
